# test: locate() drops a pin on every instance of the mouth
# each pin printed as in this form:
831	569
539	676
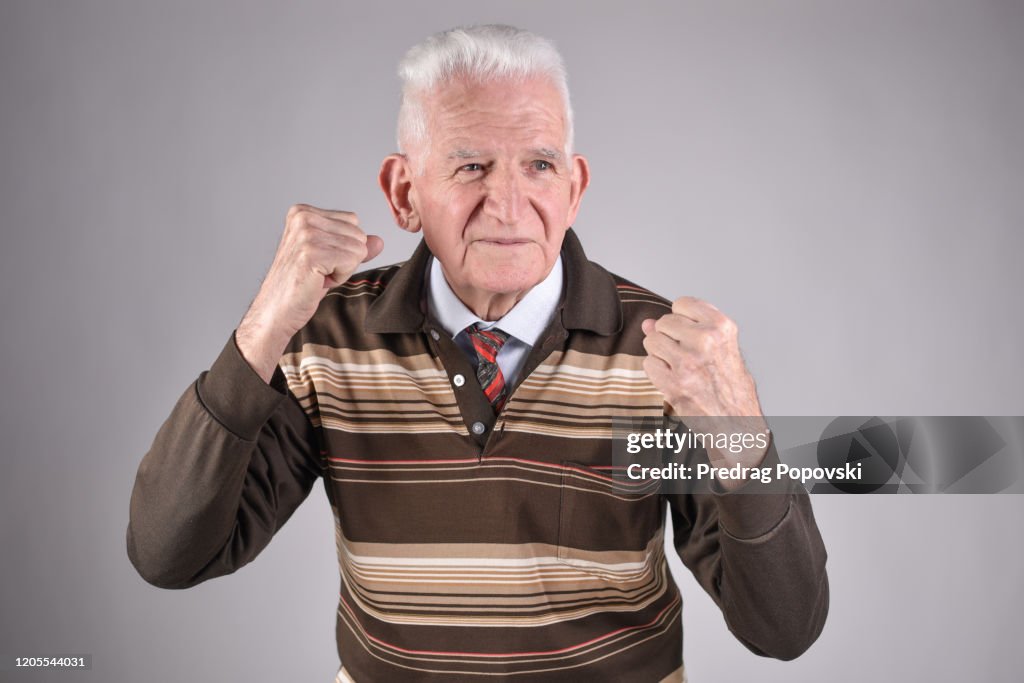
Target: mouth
503	242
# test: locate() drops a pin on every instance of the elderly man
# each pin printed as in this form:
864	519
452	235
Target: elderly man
458	408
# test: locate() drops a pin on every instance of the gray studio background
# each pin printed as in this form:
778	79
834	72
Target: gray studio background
842	178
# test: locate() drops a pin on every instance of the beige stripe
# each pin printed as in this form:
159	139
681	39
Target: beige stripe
490	556
606	377
394	410
677	676
552	392
556	391
333	356
524	405
363	403
504	621
593	361
379	375
546	567
666	623
521	618
585	416
382	382
477	552
548	603
556	474
405	427
456	584
424	568
596	432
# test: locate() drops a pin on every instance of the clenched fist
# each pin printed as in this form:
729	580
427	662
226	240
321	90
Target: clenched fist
694	360
319	249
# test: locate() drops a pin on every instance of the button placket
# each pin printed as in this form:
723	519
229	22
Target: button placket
473	409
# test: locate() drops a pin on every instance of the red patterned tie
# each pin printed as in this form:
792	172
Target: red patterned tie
487	343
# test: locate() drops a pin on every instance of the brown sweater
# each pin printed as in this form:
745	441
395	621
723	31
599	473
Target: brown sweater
465	556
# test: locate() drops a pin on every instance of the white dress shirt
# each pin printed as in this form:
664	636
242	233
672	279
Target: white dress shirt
524	323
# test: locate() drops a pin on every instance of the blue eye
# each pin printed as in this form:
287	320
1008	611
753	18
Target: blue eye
472	168
542	165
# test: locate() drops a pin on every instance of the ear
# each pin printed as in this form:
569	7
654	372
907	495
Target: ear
578	185
396	181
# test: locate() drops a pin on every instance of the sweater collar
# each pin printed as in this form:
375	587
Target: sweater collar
590	302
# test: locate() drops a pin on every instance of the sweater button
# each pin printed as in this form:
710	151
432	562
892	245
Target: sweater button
434	335
458	380
478	428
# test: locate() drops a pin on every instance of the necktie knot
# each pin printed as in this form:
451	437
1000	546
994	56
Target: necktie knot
487	344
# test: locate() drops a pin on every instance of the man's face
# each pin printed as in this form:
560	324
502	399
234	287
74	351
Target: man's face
496	192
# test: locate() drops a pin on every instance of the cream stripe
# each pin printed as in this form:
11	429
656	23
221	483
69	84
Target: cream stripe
542	390
382	372
474	551
666	622
504	620
404	427
513	602
347	410
551	430
591	374
593	361
511	558
324	354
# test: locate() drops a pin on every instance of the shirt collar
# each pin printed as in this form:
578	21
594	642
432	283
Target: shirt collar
525	321
590	301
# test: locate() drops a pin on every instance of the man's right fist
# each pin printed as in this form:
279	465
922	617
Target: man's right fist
319	249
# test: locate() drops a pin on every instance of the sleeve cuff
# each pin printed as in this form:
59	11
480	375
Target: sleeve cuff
236	396
745	515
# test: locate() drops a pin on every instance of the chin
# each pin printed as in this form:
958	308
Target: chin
509	280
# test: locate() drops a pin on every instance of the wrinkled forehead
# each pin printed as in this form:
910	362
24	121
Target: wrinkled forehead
469	113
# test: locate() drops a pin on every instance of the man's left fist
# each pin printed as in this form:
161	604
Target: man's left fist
694	360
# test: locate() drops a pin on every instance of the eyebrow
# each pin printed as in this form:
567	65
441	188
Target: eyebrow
545	152
465	154
474	153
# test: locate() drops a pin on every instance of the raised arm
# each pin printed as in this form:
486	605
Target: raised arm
759	555
238	454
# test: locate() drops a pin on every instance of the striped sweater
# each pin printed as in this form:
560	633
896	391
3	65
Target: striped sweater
471	547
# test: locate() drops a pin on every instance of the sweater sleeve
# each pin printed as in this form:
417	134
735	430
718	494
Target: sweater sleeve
761	559
227	469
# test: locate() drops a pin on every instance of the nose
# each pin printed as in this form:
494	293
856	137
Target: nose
505	197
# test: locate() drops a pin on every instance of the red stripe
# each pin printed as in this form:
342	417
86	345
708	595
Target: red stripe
493	337
495	388
485	351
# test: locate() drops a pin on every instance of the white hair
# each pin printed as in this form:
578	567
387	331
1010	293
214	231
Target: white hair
484	53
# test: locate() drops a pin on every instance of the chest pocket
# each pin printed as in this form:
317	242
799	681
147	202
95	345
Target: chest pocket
607	528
